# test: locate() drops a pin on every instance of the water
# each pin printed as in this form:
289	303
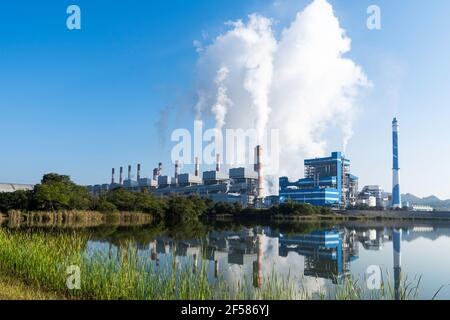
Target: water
312	256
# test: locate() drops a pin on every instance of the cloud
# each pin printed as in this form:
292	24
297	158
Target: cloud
299	83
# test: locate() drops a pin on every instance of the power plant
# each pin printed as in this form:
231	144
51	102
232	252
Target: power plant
327	181
238	185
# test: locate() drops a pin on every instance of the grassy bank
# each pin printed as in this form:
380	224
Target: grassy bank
40	260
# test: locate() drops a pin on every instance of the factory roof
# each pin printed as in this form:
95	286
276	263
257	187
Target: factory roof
11	187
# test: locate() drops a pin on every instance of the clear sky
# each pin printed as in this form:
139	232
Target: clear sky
80	102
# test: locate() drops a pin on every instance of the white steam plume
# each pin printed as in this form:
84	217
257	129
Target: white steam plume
222	102
300	83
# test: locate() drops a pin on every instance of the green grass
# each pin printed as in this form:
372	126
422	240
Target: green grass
39	260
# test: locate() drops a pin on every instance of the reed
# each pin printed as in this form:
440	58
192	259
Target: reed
74	219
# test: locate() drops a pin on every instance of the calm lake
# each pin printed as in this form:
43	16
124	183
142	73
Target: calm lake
314	257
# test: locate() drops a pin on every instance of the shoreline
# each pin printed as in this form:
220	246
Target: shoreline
342	216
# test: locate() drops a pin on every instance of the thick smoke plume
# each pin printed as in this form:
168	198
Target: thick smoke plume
300	83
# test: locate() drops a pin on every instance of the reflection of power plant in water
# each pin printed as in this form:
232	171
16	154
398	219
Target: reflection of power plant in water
251	253
327	253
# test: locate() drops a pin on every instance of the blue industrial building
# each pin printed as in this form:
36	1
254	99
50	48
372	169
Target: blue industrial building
327	182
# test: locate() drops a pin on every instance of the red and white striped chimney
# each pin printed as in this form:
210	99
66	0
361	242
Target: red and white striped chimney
218	162
259	168
197	167
177	169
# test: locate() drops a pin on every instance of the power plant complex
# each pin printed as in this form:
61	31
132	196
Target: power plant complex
328	182
238	185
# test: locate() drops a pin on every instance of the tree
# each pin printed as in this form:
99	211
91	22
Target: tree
58	192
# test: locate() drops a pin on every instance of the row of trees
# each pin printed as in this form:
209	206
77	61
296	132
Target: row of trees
58	192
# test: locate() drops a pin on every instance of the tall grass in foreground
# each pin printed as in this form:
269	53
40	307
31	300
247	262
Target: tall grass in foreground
41	259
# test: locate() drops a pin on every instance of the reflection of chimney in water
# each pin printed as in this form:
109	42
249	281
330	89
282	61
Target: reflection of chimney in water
195	263
216	269
396	242
257	265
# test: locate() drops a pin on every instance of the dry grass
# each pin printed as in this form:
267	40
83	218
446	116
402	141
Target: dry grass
14	289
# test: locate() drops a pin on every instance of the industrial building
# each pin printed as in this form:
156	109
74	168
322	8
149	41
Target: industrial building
12	187
238	185
372	196
327	182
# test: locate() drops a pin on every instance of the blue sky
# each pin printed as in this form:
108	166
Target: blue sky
80	102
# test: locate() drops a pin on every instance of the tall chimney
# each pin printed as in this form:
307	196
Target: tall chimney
155	174
138	171
113	172
218	162
177	169
120	176
197	167
258	169
129	173
396	195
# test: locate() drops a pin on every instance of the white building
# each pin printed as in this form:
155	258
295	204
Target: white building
12	187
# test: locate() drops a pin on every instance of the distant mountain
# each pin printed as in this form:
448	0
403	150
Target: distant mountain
431	201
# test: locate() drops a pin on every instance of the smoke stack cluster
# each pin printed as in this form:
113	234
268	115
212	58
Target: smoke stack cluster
113	172
218	162
258	169
138	172
197	167
121	175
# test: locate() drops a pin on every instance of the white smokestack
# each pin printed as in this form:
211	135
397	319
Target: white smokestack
197	167
177	170
259	170
218	162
